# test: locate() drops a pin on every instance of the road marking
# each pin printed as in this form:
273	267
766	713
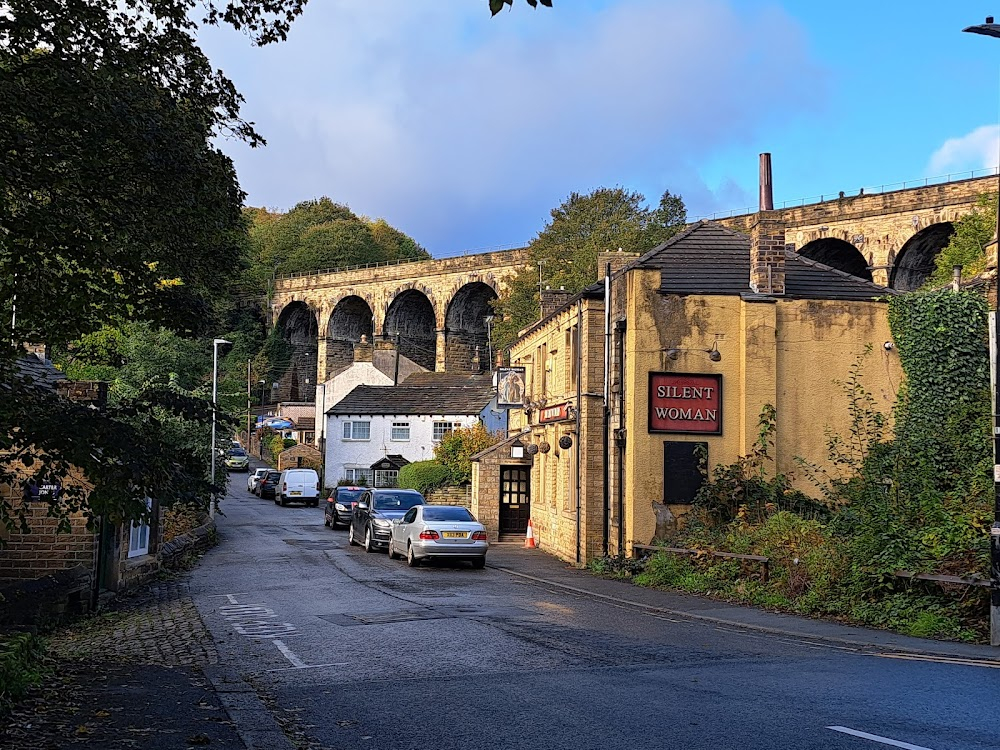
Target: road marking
226	596
989	664
310	666
289	654
876	738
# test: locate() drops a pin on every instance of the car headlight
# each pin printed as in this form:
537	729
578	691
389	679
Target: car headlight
340	506
381	523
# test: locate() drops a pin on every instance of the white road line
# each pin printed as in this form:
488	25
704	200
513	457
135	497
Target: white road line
876	738
989	664
290	655
227	596
310	666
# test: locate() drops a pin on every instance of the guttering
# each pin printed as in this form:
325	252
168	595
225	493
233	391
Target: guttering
579	404
605	422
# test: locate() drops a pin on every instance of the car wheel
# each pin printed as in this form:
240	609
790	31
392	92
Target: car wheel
314	504
479	563
411	559
275	499
326	520
282	501
369	547
333	521
392	552
350	535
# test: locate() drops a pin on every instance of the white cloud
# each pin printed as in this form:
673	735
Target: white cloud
464	131
975	150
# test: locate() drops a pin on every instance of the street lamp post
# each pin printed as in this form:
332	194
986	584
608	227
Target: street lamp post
993	29
215	398
260	444
489	340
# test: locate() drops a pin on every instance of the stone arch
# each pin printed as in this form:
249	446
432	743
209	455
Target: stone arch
351	318
298	326
915	260
465	328
411	317
839	254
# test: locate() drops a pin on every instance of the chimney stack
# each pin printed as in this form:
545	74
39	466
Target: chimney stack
363	350
766	188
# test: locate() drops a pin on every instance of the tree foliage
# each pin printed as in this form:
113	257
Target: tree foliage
423	476
566	250
320	234
967	246
497	5
456	449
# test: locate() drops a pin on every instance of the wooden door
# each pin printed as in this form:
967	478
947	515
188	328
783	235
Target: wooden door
515	499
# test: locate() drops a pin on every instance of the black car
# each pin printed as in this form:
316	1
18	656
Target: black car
267	484
340	505
376	510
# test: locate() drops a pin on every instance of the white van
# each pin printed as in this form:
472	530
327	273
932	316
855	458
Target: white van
297	485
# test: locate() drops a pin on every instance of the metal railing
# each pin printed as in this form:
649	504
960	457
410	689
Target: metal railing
401	261
889	187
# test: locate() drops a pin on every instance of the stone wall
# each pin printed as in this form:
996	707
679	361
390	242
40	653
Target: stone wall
45	601
461	495
310	457
44	550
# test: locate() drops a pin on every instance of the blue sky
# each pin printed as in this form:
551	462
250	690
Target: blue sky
464	131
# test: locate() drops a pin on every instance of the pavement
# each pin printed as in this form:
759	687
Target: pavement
149	674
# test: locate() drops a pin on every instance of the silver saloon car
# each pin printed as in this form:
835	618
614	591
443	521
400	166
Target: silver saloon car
438	531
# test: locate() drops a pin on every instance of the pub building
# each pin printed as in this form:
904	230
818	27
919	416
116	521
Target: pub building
701	333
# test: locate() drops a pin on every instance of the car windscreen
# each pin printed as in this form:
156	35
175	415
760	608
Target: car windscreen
447	513
273	476
397	500
348	496
239	453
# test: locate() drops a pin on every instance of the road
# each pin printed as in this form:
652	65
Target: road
352	650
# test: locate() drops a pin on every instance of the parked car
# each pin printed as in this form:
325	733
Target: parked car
237	460
254	479
340	505
429	531
267	486
375	512
299	485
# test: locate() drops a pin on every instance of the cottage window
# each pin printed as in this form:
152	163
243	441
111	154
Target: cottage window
441	429
386	477
360	477
400	431
138	537
357	430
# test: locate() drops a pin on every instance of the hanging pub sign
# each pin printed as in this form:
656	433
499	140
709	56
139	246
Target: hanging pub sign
685	403
555	413
510	387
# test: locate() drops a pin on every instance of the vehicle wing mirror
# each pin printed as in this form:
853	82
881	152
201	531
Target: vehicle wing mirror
362	506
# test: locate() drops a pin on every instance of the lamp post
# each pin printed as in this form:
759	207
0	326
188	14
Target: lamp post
215	398
993	29
260	445
321	416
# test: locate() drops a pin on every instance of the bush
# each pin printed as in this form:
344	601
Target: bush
423	476
21	666
456	449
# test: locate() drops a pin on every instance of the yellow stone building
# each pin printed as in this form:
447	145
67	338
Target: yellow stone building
623	401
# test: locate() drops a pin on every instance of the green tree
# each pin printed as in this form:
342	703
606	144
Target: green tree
497	5
605	219
967	246
456	449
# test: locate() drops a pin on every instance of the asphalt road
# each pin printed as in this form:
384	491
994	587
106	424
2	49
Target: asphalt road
352	650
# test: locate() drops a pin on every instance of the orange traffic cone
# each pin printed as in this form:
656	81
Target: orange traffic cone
529	540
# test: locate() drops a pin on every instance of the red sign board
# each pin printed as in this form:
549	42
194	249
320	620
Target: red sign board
556	413
683	403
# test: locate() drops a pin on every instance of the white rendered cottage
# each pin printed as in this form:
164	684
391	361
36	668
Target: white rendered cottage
404	421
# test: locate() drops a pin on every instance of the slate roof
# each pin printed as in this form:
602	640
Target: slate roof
707	258
437	395
38	372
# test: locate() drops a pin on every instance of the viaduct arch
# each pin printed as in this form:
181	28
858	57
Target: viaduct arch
890	238
436	310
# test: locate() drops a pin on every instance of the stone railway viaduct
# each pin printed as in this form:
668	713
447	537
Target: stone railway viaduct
436	309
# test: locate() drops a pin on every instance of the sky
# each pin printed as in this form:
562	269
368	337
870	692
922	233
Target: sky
464	131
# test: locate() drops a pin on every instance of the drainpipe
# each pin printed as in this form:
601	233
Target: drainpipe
579	400
606	529
621	441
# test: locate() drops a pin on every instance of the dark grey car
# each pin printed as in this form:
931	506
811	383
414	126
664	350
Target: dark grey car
375	512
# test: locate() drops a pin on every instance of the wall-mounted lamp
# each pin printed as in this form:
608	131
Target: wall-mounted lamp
713	354
532	449
517	449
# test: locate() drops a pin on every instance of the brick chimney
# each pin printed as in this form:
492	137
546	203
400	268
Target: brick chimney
618	261
90	392
553	299
42	351
363	350
767	239
767	254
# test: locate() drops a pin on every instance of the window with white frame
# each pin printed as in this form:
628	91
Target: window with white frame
400	431
361	477
357	430
442	428
386	477
138	537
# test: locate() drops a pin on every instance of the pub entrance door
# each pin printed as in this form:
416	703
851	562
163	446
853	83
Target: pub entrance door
515	499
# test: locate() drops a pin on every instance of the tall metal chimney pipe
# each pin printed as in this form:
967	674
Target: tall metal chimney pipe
766	192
